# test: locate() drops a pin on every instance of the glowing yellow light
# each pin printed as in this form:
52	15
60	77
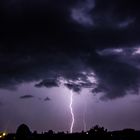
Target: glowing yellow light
4	134
0	136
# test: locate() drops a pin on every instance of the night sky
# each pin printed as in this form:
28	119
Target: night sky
52	48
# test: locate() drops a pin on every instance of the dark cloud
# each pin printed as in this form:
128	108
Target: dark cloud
116	78
53	24
81	82
73	87
26	96
49	83
49	40
47	99
73	80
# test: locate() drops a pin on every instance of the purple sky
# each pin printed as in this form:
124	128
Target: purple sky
45	115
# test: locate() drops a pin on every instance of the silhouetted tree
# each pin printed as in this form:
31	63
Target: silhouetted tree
95	133
23	132
50	132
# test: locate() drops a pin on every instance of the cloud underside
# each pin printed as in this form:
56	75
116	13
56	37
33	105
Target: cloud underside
47	99
76	44
26	96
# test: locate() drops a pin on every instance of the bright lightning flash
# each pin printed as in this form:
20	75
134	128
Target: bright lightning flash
71	110
84	117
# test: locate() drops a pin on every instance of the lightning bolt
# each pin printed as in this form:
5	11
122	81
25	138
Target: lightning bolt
84	118
85	126
71	111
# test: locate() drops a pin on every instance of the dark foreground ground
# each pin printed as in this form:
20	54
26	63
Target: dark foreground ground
95	133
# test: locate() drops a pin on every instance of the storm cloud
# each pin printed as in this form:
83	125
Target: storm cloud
71	43
48	83
26	96
47	99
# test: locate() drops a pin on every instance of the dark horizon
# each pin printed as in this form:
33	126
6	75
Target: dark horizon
23	132
95	127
